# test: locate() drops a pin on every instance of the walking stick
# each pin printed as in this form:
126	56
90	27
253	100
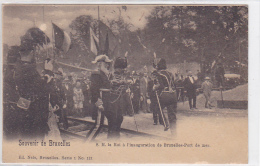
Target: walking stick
221	92
222	97
164	123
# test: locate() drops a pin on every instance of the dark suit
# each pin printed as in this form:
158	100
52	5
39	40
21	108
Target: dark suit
191	91
32	87
135	89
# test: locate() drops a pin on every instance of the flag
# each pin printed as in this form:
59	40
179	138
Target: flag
107	34
62	39
93	42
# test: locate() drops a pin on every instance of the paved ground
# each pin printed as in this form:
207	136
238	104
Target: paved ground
186	119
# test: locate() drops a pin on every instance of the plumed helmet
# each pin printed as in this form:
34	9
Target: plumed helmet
155	62
120	63
159	64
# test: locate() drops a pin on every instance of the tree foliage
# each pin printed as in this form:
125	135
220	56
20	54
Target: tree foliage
191	33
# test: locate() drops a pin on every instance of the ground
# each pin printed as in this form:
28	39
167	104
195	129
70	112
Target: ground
221	134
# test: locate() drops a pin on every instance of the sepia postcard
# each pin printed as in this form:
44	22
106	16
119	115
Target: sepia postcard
125	84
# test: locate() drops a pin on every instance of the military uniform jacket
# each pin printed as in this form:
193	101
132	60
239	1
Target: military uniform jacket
164	79
99	80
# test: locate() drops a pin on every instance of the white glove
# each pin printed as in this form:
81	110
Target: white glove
155	87
65	106
101	108
53	109
49	78
148	101
99	103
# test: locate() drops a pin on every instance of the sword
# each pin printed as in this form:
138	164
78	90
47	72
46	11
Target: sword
164	123
95	130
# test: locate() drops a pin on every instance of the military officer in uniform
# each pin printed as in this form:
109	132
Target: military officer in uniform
120	98
165	81
100	91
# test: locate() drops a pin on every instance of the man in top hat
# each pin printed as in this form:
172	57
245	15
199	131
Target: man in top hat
190	86
33	101
207	88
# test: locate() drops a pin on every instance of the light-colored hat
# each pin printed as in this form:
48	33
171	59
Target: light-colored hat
102	58
207	78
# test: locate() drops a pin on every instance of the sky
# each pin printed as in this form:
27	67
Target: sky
18	19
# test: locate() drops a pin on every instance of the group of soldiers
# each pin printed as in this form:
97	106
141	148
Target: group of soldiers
110	93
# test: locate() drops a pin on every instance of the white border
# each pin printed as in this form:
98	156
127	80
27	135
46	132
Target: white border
254	58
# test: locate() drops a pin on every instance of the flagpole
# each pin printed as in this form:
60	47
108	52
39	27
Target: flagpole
45	37
53	40
98	27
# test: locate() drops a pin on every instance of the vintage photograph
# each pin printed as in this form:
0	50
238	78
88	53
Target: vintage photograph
125	84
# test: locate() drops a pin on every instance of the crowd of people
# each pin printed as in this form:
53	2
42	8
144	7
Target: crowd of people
37	104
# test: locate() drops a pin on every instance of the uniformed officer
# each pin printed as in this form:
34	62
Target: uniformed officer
120	98
100	91
165	83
